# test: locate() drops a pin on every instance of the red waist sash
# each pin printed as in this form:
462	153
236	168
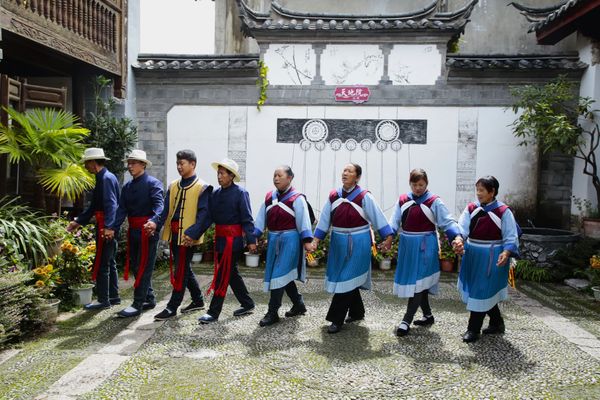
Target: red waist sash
99	242
223	266
137	223
177	278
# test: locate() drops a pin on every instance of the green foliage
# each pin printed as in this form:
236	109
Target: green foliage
116	135
529	271
454	45
19	307
585	207
575	261
208	240
557	119
52	142
262	83
446	250
23	234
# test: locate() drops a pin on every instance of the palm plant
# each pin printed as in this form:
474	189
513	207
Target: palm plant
52	143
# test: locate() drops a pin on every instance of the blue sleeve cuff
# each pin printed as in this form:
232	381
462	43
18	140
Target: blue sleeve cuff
452	233
193	232
307	234
385	231
319	234
514	251
257	232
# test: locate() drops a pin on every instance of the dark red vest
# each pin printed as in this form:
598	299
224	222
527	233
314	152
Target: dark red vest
413	218
345	216
482	227
277	218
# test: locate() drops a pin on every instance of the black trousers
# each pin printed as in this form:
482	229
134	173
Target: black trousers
342	304
237	285
277	295
189	278
420	299
476	319
144	292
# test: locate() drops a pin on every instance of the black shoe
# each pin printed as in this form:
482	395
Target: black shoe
402	329
148	305
129	312
165	315
333	328
193	306
425	321
296	310
269	319
494	330
243	311
96	306
470	337
352	319
114	301
207	319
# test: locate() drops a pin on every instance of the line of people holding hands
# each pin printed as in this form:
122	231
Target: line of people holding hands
485	234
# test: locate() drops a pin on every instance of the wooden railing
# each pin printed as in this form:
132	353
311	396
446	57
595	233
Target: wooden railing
93	20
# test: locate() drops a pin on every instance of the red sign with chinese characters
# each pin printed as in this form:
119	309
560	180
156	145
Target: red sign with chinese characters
355	94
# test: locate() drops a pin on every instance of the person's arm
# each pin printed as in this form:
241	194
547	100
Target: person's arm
246	220
324	222
303	220
396	220
510	238
155	223
260	221
377	218
203	220
110	199
157	199
445	220
85	217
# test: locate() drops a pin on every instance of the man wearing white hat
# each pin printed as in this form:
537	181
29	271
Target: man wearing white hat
105	199
141	201
230	210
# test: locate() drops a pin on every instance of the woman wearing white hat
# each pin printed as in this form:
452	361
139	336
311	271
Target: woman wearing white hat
141	201
105	199
230	210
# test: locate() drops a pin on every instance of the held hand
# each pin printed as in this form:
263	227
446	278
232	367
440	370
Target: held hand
386	245
252	248
458	246
73	225
150	227
187	241
109	234
308	247
503	258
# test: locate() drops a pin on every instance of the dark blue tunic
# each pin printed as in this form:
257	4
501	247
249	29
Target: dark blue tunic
140	197
231	206
105	197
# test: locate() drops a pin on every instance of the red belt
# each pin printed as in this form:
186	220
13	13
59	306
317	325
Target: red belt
99	242
229	232
137	223
177	279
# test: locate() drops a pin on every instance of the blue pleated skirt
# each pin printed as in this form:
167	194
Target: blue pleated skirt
418	267
349	260
285	260
481	283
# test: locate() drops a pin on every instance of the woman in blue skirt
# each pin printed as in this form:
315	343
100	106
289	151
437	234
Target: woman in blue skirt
286	216
492	236
416	217
350	211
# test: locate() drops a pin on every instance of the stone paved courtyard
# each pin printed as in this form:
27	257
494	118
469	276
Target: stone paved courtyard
550	351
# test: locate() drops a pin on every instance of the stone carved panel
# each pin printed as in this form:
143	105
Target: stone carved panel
411	64
290	64
352	64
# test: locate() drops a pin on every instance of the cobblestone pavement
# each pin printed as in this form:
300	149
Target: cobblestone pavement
298	359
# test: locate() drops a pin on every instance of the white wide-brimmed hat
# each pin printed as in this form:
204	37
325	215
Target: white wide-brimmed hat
139	155
230	166
93	153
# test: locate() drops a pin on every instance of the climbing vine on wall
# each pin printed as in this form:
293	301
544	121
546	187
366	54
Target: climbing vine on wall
262	84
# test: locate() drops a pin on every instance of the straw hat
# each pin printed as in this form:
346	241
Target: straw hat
230	166
139	155
93	153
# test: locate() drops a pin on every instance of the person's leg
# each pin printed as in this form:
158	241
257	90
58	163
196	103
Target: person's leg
237	284
356	307
216	303
292	292
427	318
143	293
411	308
275	300
113	288
177	295
474	327
339	308
496	321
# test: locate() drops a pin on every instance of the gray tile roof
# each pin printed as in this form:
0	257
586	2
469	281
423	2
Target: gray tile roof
504	62
196	62
543	16
279	18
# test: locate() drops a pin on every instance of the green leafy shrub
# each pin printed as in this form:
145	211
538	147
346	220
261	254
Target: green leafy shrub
528	270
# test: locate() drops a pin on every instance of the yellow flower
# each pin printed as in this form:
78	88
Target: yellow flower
49	268
38	271
40	284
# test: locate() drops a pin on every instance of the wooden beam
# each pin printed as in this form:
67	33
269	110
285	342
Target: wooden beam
567	23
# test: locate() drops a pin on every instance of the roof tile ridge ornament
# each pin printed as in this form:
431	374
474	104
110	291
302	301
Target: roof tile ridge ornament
568	61
281	11
542	11
461	13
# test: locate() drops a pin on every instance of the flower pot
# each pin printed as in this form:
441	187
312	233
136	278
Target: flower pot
314	263
197	258
447	265
385	264
596	291
591	228
49	310
83	293
252	259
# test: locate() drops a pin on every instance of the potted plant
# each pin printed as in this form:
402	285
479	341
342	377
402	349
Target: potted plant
47	278
208	245
384	258
447	255
555	118
590	218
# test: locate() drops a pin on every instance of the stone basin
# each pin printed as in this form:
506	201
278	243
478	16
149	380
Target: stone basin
541	244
